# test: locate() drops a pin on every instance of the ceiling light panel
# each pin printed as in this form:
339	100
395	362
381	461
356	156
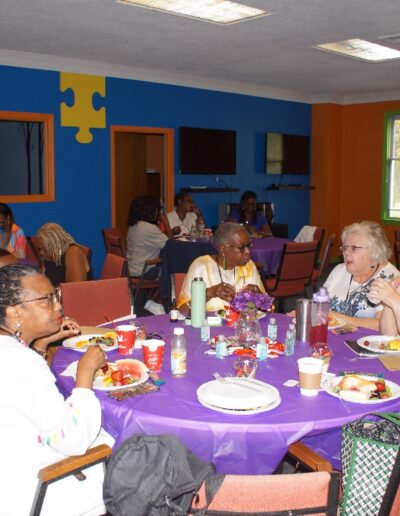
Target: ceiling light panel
217	11
361	49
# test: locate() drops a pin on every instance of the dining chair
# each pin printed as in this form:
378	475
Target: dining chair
179	278
114	241
319	234
325	260
65	468
307	493
93	302
397	235
114	266
396	249
148	287
294	271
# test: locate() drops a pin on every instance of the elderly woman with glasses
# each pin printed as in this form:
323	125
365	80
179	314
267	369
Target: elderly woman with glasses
366	252
226	273
38	427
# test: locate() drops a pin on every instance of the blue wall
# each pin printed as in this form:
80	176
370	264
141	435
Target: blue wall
82	203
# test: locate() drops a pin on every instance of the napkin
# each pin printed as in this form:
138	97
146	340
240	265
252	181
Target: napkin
71	369
391	363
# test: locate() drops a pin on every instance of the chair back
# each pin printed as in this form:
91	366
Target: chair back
114	241
295	269
396	249
91	302
397	235
114	266
319	234
179	278
305	493
326	256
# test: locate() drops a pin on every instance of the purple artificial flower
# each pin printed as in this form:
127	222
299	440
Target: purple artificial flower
249	301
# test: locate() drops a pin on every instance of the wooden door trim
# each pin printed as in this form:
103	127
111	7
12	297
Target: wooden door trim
169	162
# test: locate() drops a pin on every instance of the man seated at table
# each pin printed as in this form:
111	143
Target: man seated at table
254	220
230	271
183	217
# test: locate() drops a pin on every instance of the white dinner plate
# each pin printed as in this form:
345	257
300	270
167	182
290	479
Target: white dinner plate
374	341
99	386
395	389
237	394
72	341
335	323
236	412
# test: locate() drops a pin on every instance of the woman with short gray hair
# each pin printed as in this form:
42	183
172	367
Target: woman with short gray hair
366	252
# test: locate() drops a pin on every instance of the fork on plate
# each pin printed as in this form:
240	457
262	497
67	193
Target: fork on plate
224	379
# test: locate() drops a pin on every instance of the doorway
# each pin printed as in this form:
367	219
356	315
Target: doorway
142	163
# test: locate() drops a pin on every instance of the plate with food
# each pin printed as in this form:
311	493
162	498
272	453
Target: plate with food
362	388
334	323
381	344
119	374
107	341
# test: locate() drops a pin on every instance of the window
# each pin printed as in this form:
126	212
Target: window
26	157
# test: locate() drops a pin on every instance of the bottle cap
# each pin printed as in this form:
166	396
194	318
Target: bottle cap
272	320
321	296
198	279
179	331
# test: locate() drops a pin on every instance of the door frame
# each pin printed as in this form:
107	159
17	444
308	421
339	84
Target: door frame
168	178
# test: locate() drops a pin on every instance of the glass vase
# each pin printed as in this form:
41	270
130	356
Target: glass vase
248	330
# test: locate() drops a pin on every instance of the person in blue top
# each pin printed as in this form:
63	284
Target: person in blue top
252	219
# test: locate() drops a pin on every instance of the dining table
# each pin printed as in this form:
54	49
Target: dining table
236	443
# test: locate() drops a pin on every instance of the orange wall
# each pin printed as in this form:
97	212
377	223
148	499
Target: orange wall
347	147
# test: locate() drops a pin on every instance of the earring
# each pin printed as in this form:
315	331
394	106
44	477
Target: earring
18	332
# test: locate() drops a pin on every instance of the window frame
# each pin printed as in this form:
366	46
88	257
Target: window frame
48	124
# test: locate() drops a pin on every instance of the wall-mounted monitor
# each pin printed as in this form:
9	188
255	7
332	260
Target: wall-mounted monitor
287	154
207	151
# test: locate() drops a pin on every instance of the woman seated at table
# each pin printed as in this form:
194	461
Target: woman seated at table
230	271
145	239
254	220
64	260
183	217
12	237
366	252
38	427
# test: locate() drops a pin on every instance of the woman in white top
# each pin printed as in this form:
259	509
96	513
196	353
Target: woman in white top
145	240
183	217
37	426
230	271
366	252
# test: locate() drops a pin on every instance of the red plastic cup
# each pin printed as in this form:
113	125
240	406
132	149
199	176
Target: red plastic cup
231	316
126	338
153	351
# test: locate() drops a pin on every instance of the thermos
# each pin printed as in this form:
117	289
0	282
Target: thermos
198	304
303	319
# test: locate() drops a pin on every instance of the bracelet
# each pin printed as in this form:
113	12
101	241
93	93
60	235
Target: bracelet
43	354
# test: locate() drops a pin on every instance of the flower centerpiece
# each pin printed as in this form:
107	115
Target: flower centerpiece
248	304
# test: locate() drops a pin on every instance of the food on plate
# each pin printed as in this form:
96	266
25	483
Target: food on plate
121	372
394	345
332	321
108	339
385	345
362	387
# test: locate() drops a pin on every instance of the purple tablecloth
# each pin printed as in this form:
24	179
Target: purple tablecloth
268	251
251	444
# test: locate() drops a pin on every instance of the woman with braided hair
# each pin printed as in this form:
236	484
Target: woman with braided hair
64	260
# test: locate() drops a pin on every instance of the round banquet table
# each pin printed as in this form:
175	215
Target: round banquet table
237	444
268	251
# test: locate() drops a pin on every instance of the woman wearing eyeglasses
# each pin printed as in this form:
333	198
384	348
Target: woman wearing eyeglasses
226	273
38	427
366	252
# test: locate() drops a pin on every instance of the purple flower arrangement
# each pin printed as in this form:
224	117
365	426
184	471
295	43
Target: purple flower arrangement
250	301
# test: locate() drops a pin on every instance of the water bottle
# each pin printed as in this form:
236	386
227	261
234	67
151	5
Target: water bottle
319	318
220	347
198	304
272	330
178	353
205	331
261	350
200	227
290	340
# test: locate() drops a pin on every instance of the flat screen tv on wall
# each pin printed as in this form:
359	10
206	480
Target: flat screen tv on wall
287	154
207	151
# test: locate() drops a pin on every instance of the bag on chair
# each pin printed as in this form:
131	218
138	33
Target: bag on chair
156	476
370	464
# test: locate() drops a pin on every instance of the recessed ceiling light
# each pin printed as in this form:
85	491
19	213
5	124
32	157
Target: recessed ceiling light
218	11
361	49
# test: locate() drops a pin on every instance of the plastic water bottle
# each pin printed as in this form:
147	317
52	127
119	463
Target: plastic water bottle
261	350
198	303
178	353
205	331
272	330
220	347
290	340
319	318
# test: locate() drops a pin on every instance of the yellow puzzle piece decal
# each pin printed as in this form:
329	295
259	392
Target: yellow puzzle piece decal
82	113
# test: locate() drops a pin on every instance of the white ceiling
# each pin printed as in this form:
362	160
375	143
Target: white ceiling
272	56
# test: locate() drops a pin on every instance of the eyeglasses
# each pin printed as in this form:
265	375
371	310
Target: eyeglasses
351	248
241	248
48	299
